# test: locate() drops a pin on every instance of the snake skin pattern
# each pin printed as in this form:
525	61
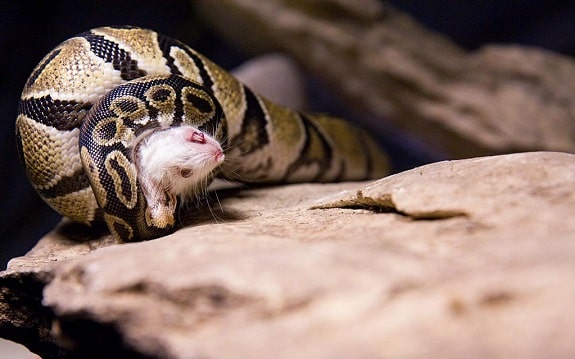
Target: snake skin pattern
96	98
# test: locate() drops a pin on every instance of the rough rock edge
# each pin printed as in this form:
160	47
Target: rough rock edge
535	174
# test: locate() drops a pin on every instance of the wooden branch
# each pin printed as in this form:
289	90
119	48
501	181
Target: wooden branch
495	100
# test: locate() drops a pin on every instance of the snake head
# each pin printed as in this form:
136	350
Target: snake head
145	149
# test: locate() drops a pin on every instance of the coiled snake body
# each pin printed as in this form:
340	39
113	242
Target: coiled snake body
123	124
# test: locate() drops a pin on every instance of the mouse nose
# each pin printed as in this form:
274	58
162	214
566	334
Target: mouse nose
219	155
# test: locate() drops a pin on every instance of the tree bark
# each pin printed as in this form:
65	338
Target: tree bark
497	99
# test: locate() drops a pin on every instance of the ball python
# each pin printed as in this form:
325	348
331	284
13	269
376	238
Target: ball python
123	124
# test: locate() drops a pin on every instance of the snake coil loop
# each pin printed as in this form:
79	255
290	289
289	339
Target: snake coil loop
122	124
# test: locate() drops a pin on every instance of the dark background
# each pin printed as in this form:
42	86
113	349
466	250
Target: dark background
30	29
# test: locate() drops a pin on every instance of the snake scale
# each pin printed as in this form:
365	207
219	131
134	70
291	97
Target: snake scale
123	124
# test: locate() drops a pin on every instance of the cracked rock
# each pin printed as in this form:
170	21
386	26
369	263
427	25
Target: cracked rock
460	258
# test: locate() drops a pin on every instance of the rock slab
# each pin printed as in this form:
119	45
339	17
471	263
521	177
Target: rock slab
460	258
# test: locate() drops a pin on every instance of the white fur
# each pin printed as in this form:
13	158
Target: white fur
171	161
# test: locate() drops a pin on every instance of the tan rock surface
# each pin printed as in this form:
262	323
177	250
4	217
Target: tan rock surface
466	258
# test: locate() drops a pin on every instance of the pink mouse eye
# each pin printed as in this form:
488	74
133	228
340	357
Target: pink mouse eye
196	137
